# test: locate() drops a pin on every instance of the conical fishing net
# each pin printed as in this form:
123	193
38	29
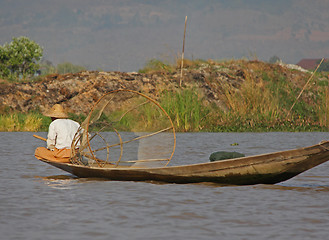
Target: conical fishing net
125	129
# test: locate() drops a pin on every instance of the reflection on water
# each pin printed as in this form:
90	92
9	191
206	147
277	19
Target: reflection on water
58	181
39	201
57	177
302	188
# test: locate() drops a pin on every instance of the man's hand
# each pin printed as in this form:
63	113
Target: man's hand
51	147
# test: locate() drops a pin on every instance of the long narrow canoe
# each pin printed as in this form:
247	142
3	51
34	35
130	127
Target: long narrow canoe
268	168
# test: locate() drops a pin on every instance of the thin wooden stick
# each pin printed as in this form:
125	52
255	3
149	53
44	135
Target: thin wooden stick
41	138
305	86
182	62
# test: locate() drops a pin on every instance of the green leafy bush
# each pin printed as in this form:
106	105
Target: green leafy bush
19	58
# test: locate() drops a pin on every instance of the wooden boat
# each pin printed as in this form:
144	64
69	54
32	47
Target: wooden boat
268	168
107	147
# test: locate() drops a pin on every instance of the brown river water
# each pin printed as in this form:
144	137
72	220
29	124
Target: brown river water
38	201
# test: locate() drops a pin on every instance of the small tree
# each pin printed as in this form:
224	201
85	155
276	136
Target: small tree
4	71
20	58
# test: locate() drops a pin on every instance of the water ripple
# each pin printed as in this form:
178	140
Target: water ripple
39	201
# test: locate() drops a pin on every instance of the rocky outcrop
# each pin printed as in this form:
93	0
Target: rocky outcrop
78	92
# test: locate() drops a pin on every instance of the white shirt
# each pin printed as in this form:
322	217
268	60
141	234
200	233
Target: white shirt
61	133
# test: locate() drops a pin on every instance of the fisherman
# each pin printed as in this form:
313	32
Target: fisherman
60	136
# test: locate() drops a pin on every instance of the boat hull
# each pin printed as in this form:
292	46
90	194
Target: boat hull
260	169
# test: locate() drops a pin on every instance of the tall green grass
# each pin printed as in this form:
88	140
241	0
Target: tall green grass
323	108
20	122
186	109
263	104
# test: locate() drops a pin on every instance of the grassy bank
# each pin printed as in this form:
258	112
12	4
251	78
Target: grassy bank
13	122
261	102
265	105
29	122
251	109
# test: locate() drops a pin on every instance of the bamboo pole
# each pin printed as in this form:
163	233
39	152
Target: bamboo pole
305	86
41	138
182	61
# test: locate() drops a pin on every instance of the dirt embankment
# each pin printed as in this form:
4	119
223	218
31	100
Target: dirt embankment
78	92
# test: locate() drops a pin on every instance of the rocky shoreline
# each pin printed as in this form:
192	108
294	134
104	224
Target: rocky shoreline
78	92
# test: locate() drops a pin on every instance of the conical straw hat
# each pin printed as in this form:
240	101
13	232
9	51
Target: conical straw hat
57	111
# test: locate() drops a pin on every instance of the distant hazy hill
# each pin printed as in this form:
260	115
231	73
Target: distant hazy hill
123	35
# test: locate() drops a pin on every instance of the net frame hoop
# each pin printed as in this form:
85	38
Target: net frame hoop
140	94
